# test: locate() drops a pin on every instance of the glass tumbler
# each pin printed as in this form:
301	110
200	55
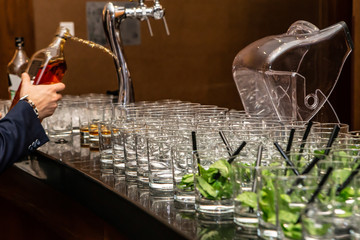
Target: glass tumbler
59	125
160	166
281	196
291	200
118	149
245	180
130	131
183	175
105	147
213	187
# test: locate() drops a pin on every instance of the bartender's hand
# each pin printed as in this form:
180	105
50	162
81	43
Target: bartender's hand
44	97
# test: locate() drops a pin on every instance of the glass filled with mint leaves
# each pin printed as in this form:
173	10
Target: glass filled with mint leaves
266	200
213	187
282	196
292	195
344	195
329	216
245	198
317	217
355	218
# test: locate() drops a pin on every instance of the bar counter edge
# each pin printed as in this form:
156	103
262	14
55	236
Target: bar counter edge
126	216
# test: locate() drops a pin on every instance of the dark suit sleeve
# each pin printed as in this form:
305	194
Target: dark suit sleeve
20	132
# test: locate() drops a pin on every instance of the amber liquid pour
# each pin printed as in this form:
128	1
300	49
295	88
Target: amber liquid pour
53	73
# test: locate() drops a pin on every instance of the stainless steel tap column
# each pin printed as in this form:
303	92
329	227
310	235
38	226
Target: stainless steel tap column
112	18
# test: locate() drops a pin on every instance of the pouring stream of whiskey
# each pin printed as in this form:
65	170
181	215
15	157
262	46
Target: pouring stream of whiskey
93	45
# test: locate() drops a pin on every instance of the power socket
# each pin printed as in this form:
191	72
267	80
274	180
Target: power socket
70	26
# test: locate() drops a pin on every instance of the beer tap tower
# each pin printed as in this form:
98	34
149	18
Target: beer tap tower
112	18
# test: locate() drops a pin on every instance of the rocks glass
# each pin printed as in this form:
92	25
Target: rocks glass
213	188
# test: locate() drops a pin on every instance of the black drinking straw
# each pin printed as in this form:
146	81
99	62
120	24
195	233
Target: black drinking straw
318	189
291	138
305	136
315	160
238	150
348	180
287	160
226	142
193	135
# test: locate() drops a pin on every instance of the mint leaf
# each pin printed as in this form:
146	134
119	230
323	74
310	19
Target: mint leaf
340	175
214	183
347	193
223	166
248	199
315	229
267	204
319	153
187	182
287	216
208	175
206	188
293	231
227	190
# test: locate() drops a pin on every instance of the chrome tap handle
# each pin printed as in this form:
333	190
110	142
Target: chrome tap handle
159	13
112	18
149	26
166	26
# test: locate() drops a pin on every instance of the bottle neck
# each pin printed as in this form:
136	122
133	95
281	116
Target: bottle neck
20	47
58	43
57	40
19	56
20	53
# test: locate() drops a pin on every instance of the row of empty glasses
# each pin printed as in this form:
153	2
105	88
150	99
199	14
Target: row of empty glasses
193	151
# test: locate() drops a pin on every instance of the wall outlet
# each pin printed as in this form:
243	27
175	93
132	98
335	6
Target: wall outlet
70	26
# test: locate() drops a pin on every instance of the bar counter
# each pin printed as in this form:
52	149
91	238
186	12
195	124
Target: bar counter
62	187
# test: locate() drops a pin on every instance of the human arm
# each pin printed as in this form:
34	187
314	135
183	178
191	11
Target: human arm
20	131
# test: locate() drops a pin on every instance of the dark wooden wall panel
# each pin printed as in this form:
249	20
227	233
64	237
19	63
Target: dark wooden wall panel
356	67
16	19
193	63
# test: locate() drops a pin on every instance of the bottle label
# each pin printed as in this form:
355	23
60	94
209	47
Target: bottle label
34	68
15	81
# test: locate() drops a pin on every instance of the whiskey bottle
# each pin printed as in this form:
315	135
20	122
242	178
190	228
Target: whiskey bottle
17	66
47	66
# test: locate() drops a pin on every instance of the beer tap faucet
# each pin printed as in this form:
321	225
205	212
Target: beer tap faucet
112	18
